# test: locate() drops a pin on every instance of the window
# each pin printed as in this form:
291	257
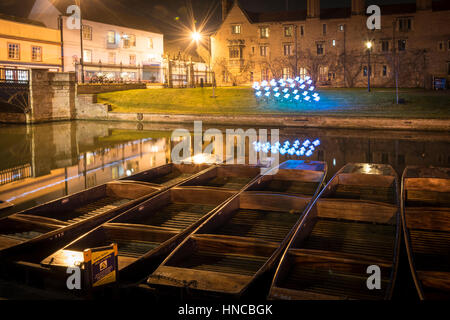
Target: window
320	48
111	37
286	72
384	71
36	53
324	29
264	32
150	43
384	45
404	24
441	46
236	29
333	43
112	58
235	52
129	41
87	55
132	59
401	45
264	74
302	30
263	51
365	71
341	27
288	30
287	49
14	51
302	72
87	32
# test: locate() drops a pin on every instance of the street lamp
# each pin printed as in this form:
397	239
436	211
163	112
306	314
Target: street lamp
369	48
197	36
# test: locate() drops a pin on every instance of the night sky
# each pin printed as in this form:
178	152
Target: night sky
164	13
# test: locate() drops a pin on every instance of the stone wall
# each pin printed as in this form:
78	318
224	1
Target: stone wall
100	88
87	108
52	96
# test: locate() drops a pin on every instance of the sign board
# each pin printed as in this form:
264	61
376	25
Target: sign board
439	83
101	265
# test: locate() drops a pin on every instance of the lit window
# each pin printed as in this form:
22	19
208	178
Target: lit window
287	49
286	72
264	32
129	40
87	32
236	29
150	43
14	51
302	72
334	43
87	55
265	74
36	53
341	27
111	37
288	31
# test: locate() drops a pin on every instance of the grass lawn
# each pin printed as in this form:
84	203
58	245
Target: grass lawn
240	100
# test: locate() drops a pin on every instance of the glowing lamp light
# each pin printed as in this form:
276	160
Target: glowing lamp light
302	86
287	95
297	97
316	142
311	88
308	153
264	83
307	98
258	93
277	94
267	94
196	36
306	143
369	44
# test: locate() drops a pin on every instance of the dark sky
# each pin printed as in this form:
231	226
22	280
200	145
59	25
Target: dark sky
164	12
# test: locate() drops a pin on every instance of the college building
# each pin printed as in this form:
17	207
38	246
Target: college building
412	47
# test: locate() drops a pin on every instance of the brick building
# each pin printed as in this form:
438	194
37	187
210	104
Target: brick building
330	44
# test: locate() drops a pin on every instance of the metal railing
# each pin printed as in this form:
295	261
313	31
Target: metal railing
19	76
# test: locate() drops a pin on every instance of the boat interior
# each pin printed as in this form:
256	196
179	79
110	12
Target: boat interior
426	193
150	229
353	224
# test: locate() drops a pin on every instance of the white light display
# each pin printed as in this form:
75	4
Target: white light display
305	148
287	90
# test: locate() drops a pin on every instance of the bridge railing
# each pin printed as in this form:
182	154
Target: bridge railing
18	76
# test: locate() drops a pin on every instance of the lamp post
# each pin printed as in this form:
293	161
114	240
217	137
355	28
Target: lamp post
196	36
81	43
369	47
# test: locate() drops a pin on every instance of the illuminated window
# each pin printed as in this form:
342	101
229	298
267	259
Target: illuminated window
87	55
341	27
288	30
236	29
36	53
264	32
286	72
287	49
87	32
265	74
150	43
14	51
333	43
302	72
111	37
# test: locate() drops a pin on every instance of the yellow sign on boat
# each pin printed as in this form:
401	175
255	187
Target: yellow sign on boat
101	265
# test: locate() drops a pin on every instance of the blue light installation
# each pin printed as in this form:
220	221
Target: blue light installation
287	90
305	148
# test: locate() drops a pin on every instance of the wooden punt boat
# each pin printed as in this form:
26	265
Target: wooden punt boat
148	232
426	226
242	241
5	205
51	225
354	223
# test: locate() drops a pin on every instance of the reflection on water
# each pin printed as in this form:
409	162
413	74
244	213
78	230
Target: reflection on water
43	162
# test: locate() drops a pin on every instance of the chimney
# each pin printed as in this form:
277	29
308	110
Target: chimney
226	7
313	8
358	7
424	4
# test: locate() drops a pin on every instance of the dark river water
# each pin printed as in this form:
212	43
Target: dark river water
43	162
